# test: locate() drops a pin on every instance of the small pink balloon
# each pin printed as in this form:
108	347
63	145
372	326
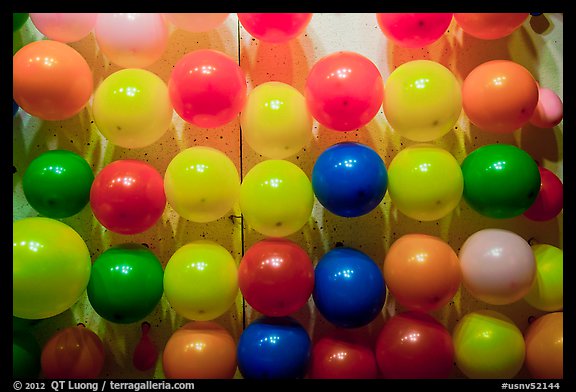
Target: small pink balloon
64	27
549	110
196	22
414	30
498	266
134	40
274	28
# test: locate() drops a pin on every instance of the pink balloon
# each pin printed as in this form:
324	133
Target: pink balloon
196	22
414	30
134	40
64	27
549	110
498	266
274	28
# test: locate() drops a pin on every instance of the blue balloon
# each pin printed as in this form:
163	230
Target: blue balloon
349	288
349	179
14	107
274	348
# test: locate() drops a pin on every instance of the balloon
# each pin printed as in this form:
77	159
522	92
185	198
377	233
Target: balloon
349	179
344	91
274	348
414	30
132	108
25	355
146	353
275	27
545	346
126	283
276	277
425	182
131	40
422	100
549	110
547	291
499	96
127	196
550	199
51	80
196	22
490	25
422	272
57	183
73	352
202	184
207	88
64	27
342	356
199	350
488	345
201	280
20	324
498	266
349	289
276	198
50	267
500	180
275	121
15	108
18	20
414	345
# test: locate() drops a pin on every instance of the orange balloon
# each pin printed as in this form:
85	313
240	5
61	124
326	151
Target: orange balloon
490	25
545	346
51	80
200	349
74	352
499	96
422	272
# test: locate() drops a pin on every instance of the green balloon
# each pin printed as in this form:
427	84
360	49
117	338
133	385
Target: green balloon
57	183
500	180
126	283
25	355
20	324
18	20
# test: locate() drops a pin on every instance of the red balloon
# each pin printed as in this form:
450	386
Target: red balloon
207	88
274	27
344	91
414	345
550	199
340	355
127	196
276	277
146	353
414	30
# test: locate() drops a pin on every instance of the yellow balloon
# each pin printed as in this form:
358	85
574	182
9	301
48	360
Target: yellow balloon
276	198
50	267
201	280
275	121
132	108
201	184
425	182
547	291
422	100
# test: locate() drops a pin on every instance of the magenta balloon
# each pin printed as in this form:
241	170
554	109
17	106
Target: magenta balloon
414	30
498	266
64	27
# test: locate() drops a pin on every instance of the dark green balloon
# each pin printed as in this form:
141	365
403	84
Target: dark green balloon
18	20
19	324
25	355
500	180
57	183
126	283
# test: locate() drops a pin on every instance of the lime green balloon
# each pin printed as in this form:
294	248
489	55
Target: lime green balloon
275	120
547	291
51	267
201	280
18	20
276	198
425	182
132	108
422	100
487	344
202	184
25	355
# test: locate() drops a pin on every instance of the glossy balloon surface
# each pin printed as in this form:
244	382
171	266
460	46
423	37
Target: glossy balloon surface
547	291
64	27
490	26
549	111
550	200
413	30
545	346
275	27
25	355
